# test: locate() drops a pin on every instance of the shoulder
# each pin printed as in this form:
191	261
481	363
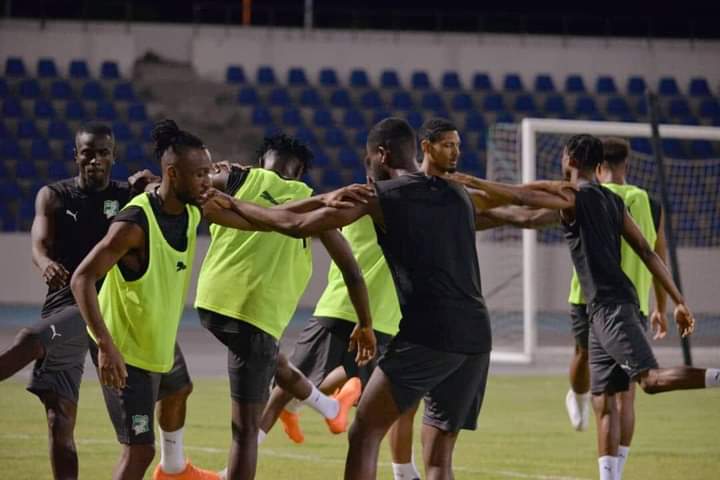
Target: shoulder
398	183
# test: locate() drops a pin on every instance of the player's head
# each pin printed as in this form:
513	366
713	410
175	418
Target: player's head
391	145
440	143
615	157
285	155
184	159
94	154
582	153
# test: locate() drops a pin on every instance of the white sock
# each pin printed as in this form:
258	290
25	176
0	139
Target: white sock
582	398
172	456
261	435
293	405
608	467
223	474
405	471
321	403
712	377
623	453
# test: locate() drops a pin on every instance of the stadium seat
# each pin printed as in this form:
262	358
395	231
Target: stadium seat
105	111
10	148
641	107
371	100
470	162
26	212
462	102
331	179
340	98
679	107
493	103
265	75
505	117
641	145
26	128
415	119
4	132
482	82
323	118
451	81
699	87
360	139
134	153
617	106
402	100
310	98
235	75
296	77
359	175
710	108
359	79
378	115
68	151
688	120
701	149
261	116
291	118
585	106
14	67
544	84
320	160
74	110
328	77
29	88
513	83
389	79
605	85
10	191
667	87
121	132
61	90
46	68
636	86
4	90
137	113
348	157
306	135
25	169
279	98
119	171
420	80
353	119
40	149
79	69
482	141
525	104
334	137
57	169
248	96
92	90
574	84
673	148
475	122
432	101
109	70
146	132
124	92
43	109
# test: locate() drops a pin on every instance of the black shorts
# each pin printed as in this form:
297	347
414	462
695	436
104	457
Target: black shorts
64	336
132	410
452	384
323	346
580	324
619	348
252	356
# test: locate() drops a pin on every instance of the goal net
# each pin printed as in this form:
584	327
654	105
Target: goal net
526	273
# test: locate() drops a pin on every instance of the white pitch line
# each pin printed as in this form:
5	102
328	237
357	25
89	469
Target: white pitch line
307	458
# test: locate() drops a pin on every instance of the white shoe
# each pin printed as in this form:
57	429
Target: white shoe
574	411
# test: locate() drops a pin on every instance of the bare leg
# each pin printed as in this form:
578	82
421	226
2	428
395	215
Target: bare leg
658	380
134	462
25	349
375	414
401	437
438	449
608	424
626	411
279	398
171	410
290	379
243	453
61	414
580	371
335	379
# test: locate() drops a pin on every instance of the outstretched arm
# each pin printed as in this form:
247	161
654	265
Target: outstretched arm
362	338
523	217
657	317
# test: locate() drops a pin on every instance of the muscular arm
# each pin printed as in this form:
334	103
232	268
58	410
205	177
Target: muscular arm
661	251
523	217
42	237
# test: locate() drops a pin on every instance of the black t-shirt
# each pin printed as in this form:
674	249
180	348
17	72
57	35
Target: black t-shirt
81	221
429	245
173	228
594	239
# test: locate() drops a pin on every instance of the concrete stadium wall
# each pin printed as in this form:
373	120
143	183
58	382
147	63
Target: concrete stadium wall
211	48
20	283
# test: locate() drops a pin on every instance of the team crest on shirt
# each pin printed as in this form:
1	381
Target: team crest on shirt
110	208
140	424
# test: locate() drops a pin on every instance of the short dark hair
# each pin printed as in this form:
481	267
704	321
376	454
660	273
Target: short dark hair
286	146
615	150
95	128
431	129
586	150
167	134
393	133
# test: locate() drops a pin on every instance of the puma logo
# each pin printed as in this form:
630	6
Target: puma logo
73	215
180	266
266	195
54	332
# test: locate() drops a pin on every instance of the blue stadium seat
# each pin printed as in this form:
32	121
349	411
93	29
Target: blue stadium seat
323	118
701	149
68	151
605	85
340	98
641	107
43	109
525	104
121	132
679	107
505	117
688	120
470	162
402	100
146	133
482	141
462	102
482	82
310	98
432	101
389	79
92	90
475	122
673	148
57	169
574	84
137	113
109	70
617	106
134	153
235	75
555	105
105	111
371	100
14	67
40	149
12	108
46	68
331	179
61	90
328	77
265	75
4	132
29	88
10	191
26	128
26	212
353	119
296	77
320	160
306	135
4	90
641	145
379	115
699	87
415	119
120	171
636	86
9	223
513	83
585	106
334	137
359	175
360	139
359	78
248	96
667	86
348	157
544	84
709	107
261	116
10	148
3	176
79	69
291	118
124	92
420	80
451	81
279	97
25	169
74	110
493	103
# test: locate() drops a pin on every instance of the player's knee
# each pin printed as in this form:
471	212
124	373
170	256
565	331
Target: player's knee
603	404
30	340
184	391
141	454
245	429
648	382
